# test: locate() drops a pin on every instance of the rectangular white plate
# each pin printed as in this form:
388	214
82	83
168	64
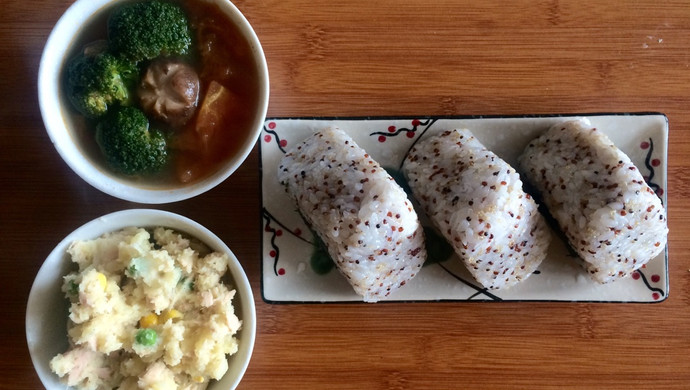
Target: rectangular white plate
288	244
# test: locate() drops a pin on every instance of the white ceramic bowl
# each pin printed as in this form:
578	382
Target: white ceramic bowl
55	109
47	309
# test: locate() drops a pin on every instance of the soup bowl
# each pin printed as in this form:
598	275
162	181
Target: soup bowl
185	174
47	307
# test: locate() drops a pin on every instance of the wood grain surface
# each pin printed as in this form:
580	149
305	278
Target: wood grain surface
394	57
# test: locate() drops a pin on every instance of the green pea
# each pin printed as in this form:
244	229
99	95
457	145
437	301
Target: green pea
146	337
132	270
73	287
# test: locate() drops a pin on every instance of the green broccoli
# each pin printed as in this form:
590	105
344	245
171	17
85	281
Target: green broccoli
149	29
97	79
127	143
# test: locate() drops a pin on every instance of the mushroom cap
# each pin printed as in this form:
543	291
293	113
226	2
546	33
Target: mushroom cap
169	91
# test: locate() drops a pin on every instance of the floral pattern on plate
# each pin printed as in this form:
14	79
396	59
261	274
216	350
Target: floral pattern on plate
296	267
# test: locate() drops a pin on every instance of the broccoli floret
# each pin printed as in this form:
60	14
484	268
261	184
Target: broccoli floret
127	143
97	79
146	30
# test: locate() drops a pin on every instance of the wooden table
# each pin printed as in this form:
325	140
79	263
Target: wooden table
404	57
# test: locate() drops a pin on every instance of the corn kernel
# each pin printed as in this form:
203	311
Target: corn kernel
101	279
168	314
148	320
198	379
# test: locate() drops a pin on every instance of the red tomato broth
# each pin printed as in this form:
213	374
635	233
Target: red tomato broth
226	58
209	140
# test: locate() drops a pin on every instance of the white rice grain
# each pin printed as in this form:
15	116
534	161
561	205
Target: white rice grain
609	214
362	215
476	201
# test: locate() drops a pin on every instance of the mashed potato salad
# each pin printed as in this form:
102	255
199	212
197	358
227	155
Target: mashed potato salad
148	310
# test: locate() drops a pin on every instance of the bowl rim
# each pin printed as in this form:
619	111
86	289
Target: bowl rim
43	298
68	26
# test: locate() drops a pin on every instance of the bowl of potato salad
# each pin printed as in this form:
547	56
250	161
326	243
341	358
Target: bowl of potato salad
141	299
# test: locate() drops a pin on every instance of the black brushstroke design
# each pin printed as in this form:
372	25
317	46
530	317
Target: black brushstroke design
649	286
399	131
268	228
428	125
285	228
479	290
648	165
425	123
656	188
268	217
276	137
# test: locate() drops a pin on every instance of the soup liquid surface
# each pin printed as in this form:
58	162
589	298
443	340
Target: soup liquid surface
228	77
